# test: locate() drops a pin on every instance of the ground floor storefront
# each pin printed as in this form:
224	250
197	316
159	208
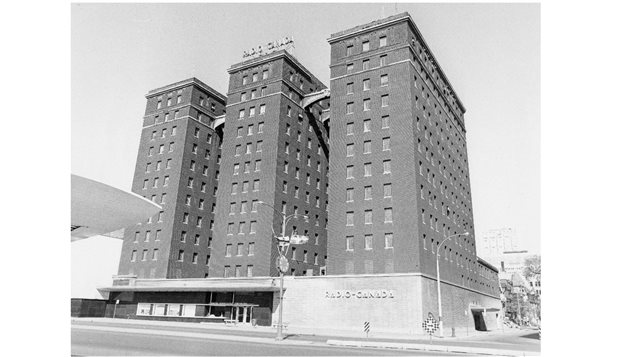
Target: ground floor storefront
396	303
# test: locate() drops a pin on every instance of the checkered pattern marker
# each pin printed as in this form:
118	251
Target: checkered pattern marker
366	327
430	325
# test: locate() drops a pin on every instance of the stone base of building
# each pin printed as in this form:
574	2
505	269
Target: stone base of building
332	304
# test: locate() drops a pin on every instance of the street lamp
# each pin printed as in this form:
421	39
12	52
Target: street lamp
282	263
439	279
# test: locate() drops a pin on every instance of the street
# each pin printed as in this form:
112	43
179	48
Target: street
104	341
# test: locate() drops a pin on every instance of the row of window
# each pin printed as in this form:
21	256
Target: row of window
247	167
368	242
155	182
238	272
252	111
248	148
164	131
255	75
368	192
350	148
366	125
350	67
298	157
383	41
242	226
368	216
383	82
197	239
366	103
240	249
350	170
250	130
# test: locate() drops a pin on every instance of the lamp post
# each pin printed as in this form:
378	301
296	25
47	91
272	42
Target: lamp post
439	280
284	242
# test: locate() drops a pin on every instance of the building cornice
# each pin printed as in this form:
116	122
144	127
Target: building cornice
188	82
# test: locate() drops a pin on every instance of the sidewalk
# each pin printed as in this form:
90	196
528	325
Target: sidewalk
260	334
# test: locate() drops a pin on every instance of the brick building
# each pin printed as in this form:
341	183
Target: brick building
275	151
177	167
398	157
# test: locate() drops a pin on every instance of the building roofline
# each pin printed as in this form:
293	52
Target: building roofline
481	261
270	57
184	83
377	24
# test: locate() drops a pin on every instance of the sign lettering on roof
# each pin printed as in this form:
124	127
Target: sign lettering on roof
360	294
283	43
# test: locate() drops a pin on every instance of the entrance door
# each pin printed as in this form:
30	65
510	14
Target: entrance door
479	321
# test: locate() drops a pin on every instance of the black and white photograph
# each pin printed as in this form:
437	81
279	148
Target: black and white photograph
294	179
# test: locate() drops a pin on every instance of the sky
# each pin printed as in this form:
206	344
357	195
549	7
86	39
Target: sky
489	52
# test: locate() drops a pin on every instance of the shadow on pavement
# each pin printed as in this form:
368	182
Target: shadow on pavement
533	336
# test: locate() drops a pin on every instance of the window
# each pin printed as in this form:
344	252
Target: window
368	241
236	169
349	172
250	130
365	46
365	65
254	77
230	228
265	74
239	249
248	149
203	185
196	132
252	111
388	241
160	219
147	236
349	68
349	218
366	84
368	193
349	110
349	88
383	80
384	100
368	217
181	255
349	128
366	104
349	243
367	147
244	80
288	111
250	248
350	150
349	50
256	185
263	91
263	109
367	169
194	258
349	194
228	250
243	207
261	126
133	257
387	215
387	190
382	60
145	184
385	144
227	271
382	41
386	166
155	254
241	114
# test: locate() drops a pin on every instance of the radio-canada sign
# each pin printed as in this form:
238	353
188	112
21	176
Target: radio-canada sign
360	294
283	43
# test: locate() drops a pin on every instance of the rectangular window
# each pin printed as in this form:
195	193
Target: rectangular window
254	77
252	111
350	150
349	108
155	254
367	147
349	50
349	172
382	60
239	250
181	255
386	166
385	144
263	109
265	74
368	241
349	218
349	194
365	65
244	80
349	128
367	104
384	100
387	215
133	257
230	228
349	243
367	169
383	80
194	258
365	46
368	193
349	88
256	185
382	41
368	217
366	84
387	190
241	114
250	270
350	68
261	126
388	241
252	227
250	248
228	250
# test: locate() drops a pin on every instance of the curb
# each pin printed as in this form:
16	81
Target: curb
433	348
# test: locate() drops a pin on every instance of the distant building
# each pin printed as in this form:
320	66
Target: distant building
177	167
495	242
275	150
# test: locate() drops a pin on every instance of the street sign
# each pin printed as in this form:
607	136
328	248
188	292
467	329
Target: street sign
430	324
296	239
283	263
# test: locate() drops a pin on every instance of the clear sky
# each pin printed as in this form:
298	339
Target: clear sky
489	52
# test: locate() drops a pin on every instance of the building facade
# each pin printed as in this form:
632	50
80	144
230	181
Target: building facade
177	167
495	242
398	157
275	151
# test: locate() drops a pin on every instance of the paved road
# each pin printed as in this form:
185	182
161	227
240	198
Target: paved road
109	343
